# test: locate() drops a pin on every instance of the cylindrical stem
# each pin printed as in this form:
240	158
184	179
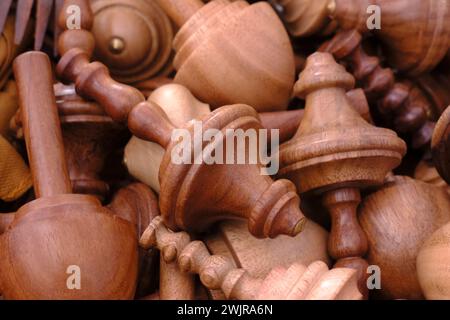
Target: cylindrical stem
347	242
41	125
180	10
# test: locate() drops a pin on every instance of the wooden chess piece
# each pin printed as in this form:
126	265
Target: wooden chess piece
397	220
60	232
440	145
400	104
24	9
272	208
432	265
255	68
297	282
76	36
143	158
89	137
138	44
335	153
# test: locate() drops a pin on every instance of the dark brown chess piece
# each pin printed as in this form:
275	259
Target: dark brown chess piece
335	153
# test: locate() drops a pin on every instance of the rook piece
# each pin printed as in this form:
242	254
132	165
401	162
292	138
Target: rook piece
335	153
60	230
232	52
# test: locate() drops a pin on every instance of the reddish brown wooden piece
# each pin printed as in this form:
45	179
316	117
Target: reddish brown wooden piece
334	153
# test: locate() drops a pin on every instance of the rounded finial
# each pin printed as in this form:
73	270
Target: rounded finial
116	45
322	71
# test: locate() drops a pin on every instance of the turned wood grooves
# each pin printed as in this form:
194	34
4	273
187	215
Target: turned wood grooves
40	118
296	282
335	153
392	98
271	207
225	53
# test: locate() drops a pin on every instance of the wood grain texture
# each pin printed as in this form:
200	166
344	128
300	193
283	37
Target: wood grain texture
296	282
143	158
272	208
400	104
196	206
81	38
133	38
41	123
138	204
59	229
305	18
401	23
335	152
440	145
216	65
259	256
427	172
397	219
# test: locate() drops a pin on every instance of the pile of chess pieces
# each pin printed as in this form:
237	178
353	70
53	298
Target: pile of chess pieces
349	201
